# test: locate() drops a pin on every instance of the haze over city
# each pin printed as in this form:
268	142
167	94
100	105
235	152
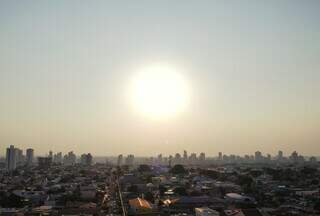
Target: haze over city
149	77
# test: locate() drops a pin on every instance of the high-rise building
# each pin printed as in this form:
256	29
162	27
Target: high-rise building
159	159
220	156
51	154
294	157
269	157
177	158
258	156
44	162
313	159
11	158
280	155
202	156
20	157
185	155
57	158
193	158
120	160
30	156
70	159
130	160
86	159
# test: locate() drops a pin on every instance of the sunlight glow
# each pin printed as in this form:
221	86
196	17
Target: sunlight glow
159	91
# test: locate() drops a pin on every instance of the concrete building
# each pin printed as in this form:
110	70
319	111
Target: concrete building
44	162
11	158
86	159
120	160
70	159
30	156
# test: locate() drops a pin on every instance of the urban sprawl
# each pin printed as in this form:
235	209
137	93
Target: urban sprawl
182	184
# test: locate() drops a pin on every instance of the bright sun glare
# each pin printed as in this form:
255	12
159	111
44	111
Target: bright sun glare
159	91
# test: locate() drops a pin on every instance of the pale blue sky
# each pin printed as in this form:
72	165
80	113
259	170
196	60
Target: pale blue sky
253	67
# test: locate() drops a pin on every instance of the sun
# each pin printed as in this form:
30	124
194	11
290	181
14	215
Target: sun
159	91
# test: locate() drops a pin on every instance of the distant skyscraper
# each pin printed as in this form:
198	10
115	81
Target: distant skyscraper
160	159
294	157
220	156
50	154
86	159
280	155
185	155
120	160
130	160
19	157
202	156
11	158
170	160
57	158
313	159
30	156
44	162
70	159
269	157
258	156
193	158
177	158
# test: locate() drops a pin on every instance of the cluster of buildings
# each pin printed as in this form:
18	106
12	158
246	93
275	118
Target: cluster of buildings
16	158
221	190
187	185
201	159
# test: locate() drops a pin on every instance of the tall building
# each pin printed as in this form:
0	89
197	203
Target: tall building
50	154
159	159
57	158
86	159
220	156
11	158
177	158
130	160
44	162
120	160
258	156
30	156
70	159
19	157
313	159
193	158
280	155
202	156
294	157
185	155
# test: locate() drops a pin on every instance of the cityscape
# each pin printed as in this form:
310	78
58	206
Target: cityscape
160	108
182	184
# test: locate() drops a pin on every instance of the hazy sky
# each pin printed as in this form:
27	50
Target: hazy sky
253	68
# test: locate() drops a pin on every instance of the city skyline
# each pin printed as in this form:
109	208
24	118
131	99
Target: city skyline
225	77
30	152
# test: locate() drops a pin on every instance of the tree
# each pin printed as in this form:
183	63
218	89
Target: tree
13	201
180	191
162	189
317	205
133	188
210	173
178	169
149	196
143	168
